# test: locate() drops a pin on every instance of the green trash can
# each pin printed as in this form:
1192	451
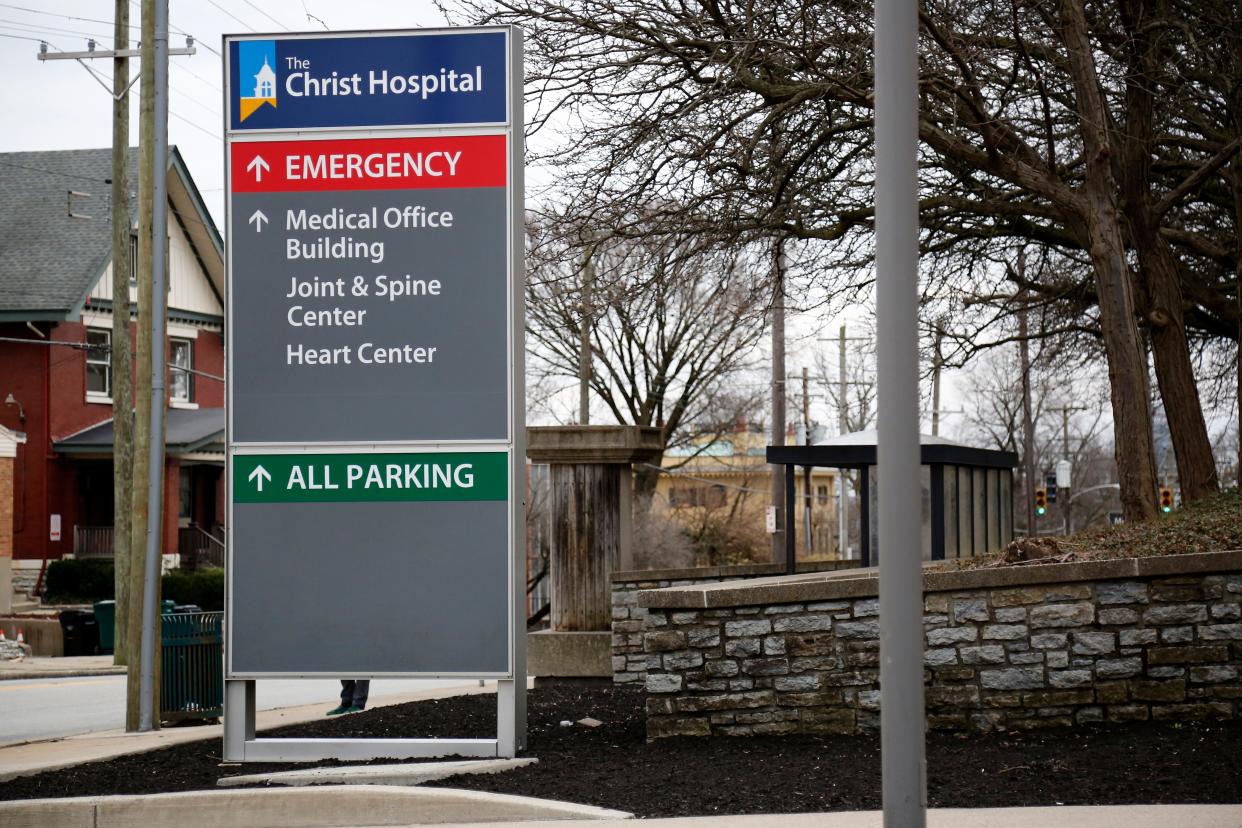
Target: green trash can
191	666
105	618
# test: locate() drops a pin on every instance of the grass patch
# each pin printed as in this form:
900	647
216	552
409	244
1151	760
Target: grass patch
1213	524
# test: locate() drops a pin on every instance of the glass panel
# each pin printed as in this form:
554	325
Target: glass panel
98	362
950	512
965	509
993	510
925	526
1006	505
186	493
873	518
979	515
180	382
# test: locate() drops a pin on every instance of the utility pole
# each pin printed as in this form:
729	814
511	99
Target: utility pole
122	378
1064	486
584	347
155	47
136	511
1028	425
808	542
937	362
778	394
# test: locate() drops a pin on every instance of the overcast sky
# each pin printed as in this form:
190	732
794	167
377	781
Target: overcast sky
58	105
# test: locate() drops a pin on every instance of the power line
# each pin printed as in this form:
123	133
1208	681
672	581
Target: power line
65	16
265	14
230	14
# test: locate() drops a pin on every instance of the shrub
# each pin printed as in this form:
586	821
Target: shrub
75	581
204	588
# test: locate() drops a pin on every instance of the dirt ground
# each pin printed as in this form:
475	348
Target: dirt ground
613	766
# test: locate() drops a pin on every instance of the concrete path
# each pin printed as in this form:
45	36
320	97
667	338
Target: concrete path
364	805
408	774
1118	816
36	757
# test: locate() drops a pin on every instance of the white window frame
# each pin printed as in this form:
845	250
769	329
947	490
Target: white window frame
93	358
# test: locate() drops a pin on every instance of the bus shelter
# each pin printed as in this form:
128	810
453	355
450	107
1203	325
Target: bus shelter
967	503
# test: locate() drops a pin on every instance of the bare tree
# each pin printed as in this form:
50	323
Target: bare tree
671	323
1029	112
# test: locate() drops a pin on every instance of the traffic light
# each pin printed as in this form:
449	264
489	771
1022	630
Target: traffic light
1166	499
1050	486
1041	501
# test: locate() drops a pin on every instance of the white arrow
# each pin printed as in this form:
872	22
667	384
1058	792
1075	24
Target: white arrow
260	473
257	219
257	165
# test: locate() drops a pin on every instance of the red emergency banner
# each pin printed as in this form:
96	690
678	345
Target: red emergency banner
369	164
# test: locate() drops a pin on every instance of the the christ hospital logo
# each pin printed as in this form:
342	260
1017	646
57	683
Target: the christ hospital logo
256	59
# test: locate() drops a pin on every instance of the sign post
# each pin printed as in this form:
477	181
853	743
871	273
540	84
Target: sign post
375	449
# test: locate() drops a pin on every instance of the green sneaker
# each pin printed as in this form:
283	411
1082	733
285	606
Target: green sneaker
354	709
336	711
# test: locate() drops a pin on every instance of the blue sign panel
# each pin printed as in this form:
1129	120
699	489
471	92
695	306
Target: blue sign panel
401	80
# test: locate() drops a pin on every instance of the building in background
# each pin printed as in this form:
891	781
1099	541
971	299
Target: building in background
56	307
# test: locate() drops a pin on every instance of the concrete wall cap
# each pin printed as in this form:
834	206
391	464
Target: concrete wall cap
593	444
863	583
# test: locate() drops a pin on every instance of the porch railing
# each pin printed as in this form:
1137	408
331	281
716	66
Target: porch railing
92	541
199	548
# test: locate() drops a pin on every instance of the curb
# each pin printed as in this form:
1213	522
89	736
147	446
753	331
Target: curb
314	807
85	672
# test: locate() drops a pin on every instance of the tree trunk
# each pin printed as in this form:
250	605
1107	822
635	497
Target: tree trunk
646	479
142	372
1127	373
122	379
1158	269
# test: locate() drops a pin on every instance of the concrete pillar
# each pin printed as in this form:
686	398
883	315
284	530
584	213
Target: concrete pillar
8	454
591	522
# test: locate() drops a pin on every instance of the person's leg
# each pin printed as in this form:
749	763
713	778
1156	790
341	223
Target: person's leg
347	695
361	690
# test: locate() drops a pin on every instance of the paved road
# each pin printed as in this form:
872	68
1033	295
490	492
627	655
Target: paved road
49	708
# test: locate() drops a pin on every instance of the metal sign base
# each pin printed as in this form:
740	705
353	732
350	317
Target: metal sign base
241	745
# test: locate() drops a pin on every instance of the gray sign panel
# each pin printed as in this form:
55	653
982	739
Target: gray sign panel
370	316
370	588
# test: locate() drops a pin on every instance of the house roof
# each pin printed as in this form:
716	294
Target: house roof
49	260
187	429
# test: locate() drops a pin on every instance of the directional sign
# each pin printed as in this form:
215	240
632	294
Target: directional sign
370	477
374	353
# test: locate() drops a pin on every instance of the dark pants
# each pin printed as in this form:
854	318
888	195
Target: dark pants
354	693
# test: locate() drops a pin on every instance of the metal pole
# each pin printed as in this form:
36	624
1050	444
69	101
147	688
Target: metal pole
584	347
778	393
808	542
843	503
901	587
155	487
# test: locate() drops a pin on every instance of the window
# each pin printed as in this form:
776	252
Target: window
181	381
99	362
712	497
821	494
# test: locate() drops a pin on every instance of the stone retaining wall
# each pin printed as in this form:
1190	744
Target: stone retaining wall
629	662
1017	648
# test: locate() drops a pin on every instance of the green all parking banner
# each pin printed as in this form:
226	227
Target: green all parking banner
369	477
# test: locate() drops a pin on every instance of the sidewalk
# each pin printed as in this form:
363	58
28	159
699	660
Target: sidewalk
36	757
36	667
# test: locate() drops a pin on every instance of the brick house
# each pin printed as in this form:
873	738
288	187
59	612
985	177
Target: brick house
56	307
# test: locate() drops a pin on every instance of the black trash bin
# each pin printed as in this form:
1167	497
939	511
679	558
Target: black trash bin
81	632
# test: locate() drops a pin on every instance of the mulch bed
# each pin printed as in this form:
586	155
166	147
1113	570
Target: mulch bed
613	766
